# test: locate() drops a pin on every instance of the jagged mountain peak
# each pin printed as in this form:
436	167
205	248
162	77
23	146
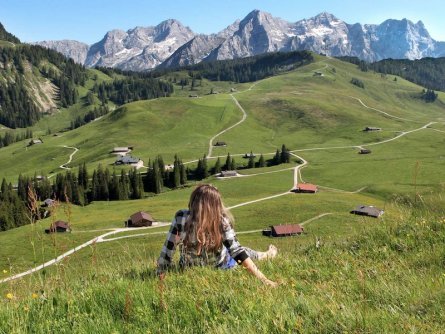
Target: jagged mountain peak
140	48
173	44
258	17
324	18
257	14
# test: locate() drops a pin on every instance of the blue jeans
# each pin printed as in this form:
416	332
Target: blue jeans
229	262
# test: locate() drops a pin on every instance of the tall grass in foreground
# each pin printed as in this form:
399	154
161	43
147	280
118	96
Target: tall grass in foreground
388	279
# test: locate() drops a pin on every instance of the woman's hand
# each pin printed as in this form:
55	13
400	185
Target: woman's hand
270	283
253	269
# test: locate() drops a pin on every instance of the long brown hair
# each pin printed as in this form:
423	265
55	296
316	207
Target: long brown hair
204	225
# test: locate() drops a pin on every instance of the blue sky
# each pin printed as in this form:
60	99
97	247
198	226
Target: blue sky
89	20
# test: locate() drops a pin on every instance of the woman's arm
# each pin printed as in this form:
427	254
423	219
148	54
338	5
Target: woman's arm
253	269
169	247
238	253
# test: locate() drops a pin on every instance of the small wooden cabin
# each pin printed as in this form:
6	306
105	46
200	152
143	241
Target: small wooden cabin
283	230
305	188
228	173
58	226
140	219
368	210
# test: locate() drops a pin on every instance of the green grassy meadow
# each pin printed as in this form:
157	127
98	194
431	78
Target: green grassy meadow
368	275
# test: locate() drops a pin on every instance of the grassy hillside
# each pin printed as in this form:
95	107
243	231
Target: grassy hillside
387	278
369	275
299	109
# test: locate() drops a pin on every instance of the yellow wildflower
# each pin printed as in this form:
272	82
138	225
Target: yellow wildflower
26	308
5	271
9	295
34	295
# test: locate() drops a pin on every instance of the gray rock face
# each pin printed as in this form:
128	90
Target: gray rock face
193	51
170	44
71	49
140	48
258	32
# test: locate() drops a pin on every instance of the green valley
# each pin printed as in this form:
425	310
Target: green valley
347	273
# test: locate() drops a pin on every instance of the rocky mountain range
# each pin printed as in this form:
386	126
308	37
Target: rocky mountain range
170	44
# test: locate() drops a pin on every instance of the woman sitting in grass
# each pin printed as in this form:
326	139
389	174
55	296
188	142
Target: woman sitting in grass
206	237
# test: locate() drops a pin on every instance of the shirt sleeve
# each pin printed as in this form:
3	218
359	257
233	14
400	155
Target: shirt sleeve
169	247
232	244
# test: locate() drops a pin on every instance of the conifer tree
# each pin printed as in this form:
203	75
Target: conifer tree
284	155
217	167
113	187
277	158
176	182
123	186
183	174
228	162
205	170
233	164
157	178
261	162
251	162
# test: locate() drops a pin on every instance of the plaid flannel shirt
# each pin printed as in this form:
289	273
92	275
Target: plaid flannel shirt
189	257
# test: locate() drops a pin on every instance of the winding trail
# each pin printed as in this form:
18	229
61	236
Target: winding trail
402	133
382	112
63	166
209	153
98	239
232	95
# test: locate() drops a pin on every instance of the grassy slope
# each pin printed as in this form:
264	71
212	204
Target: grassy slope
388	278
343	287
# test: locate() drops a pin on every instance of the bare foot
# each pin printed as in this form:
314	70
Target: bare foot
272	252
269	254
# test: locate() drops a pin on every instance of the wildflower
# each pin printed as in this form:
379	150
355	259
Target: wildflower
9	296
26	308
34	295
5	271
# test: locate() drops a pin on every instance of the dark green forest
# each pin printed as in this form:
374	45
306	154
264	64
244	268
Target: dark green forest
426	72
246	69
134	87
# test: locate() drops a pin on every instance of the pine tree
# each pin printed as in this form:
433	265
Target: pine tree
148	179
94	187
161	165
113	187
183	174
277	158
176	174
261	162
205	170
228	162
284	155
233	164
157	178
217	167
251	163
123	186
